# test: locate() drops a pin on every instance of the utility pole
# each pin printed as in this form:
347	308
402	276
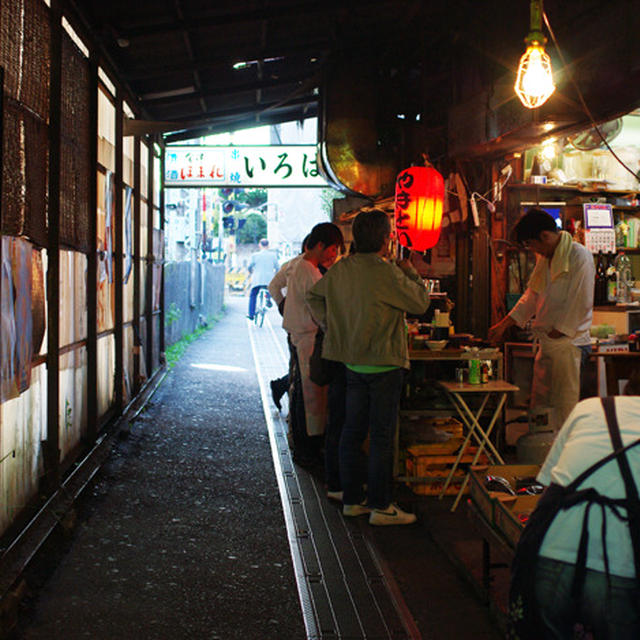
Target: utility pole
220	230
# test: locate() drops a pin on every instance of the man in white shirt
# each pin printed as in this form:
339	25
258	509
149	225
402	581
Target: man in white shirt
559	298
278	292
310	400
262	267
609	600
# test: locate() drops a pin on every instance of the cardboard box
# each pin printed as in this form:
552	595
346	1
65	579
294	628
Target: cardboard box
507	512
486	500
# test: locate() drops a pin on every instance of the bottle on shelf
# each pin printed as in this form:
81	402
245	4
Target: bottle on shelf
600	292
612	284
624	278
484	372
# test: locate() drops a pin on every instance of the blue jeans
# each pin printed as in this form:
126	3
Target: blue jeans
613	614
372	407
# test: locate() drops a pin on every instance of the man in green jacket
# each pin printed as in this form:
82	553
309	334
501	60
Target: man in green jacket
361	303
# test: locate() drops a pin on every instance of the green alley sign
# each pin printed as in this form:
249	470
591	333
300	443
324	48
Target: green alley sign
242	166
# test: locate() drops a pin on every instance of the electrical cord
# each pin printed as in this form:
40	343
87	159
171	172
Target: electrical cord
581	97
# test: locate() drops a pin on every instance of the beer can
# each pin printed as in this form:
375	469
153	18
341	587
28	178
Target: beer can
474	371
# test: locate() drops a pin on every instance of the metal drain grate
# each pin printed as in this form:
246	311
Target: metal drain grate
345	590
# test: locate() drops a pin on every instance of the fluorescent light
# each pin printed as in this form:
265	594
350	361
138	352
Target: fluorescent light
245	64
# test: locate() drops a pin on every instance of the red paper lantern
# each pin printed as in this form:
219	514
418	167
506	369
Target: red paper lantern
418	210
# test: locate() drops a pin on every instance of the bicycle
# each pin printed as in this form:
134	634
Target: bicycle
263	302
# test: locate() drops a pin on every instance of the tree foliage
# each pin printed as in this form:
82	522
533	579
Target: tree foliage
253	229
253	197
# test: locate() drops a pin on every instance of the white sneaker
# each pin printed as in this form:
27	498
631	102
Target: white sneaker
335	495
391	515
355	510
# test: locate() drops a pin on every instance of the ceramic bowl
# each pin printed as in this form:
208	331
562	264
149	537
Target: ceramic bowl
436	345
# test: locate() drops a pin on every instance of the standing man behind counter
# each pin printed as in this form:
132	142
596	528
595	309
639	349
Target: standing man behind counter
559	298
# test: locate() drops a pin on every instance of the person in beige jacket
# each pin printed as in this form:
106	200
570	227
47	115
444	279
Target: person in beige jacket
360	304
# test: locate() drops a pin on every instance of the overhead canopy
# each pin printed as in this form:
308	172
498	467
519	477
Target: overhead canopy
223	65
213	66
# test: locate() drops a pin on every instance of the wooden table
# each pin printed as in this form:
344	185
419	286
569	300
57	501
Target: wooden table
455	391
450	355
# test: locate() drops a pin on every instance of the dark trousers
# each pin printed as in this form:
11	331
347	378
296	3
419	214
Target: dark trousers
373	400
306	448
337	412
585	352
281	385
253	294
610	609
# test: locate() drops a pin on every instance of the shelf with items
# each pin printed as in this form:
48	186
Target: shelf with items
572	190
626	222
580	160
569	206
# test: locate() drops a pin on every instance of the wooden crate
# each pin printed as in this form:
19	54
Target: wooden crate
435	488
415	429
486	500
505	515
431	471
430	449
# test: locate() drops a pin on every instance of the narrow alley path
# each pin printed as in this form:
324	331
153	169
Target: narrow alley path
184	536
200	527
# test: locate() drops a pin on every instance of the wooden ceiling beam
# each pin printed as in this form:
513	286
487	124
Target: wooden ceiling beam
254	109
230	89
244	121
317	48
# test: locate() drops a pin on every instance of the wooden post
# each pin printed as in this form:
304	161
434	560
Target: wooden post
149	263
136	266
51	449
463	283
118	260
92	258
161	344
1	146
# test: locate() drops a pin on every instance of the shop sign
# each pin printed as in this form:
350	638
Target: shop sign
242	166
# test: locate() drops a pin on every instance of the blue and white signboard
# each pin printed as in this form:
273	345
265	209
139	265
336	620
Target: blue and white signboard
242	166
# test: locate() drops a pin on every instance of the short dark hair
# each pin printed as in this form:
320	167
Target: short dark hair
532	224
371	230
327	233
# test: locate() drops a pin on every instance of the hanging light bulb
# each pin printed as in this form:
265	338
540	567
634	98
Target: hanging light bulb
534	81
